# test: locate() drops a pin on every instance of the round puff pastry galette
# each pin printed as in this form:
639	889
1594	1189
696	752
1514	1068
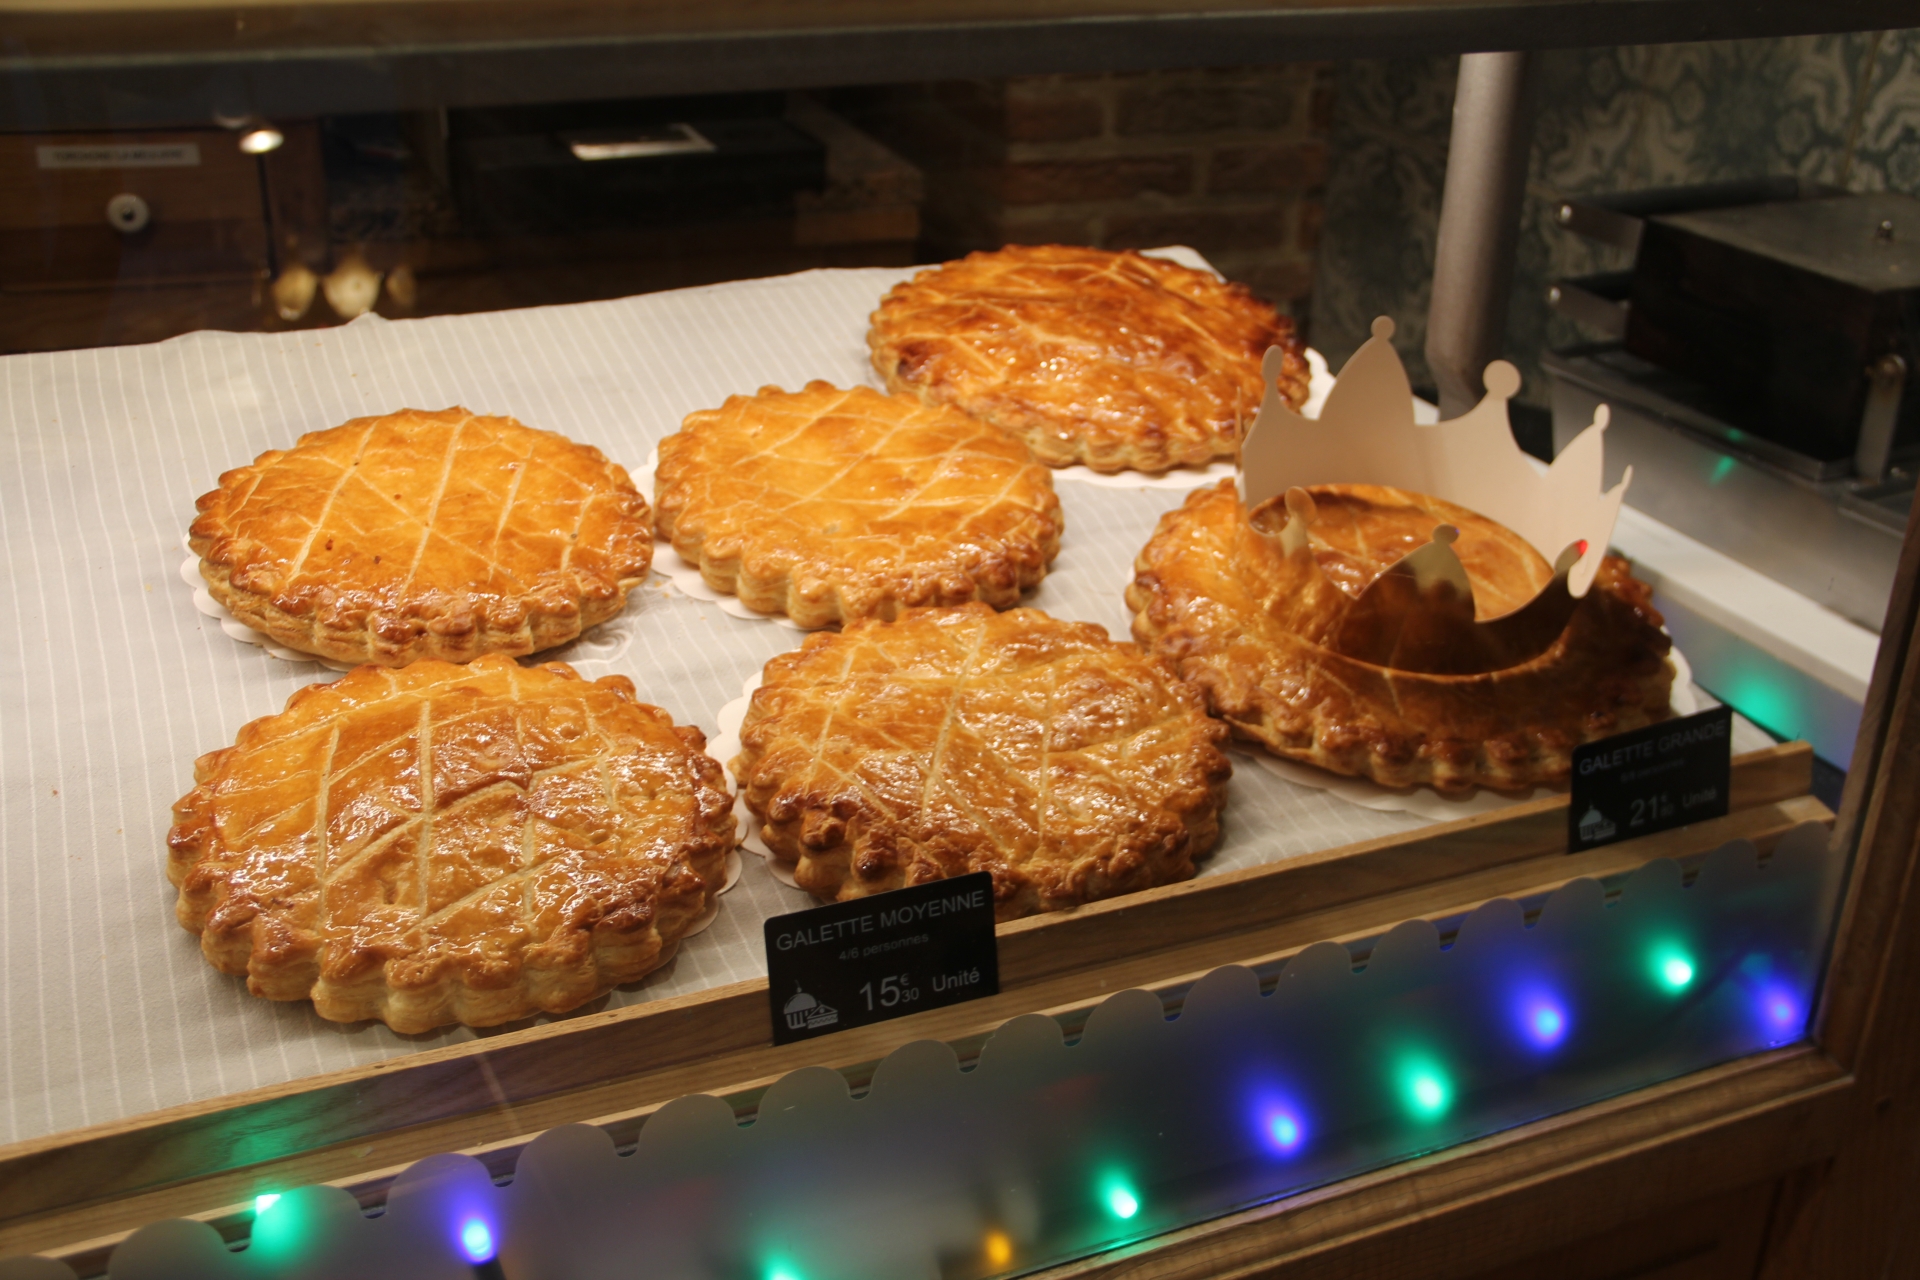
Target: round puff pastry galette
1115	360
830	505
1217	596
1069	766
451	843
424	535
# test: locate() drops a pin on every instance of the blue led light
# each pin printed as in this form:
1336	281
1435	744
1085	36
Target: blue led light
1543	1020
476	1240
1781	1013
1280	1124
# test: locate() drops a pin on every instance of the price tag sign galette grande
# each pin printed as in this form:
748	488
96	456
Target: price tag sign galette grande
849	964
1665	775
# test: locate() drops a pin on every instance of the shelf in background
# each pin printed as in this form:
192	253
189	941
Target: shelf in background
136	63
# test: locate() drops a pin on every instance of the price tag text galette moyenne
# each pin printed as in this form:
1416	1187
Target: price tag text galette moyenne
1665	775
848	964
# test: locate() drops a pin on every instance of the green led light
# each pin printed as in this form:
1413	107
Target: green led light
1721	470
1673	968
1121	1202
263	1203
1766	702
780	1271
1426	1089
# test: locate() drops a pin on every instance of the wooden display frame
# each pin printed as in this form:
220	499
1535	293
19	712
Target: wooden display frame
1811	1145
74	1195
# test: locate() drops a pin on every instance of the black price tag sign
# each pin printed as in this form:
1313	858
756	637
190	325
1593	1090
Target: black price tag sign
852	963
1665	775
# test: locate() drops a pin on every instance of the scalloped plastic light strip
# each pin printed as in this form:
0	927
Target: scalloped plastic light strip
1048	1150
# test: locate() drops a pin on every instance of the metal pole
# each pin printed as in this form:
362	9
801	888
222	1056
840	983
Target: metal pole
1479	224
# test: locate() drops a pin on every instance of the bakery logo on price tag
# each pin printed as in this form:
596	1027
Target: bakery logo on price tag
1666	775
852	963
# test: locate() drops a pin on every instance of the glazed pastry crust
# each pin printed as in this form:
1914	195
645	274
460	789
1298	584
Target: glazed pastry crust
1114	360
830	505
1068	766
1360	529
1211	598
448	843
424	535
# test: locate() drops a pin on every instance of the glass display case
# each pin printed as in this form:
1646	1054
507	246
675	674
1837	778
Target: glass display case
1270	1000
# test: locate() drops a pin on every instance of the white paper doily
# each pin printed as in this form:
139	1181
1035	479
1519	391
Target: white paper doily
1425	802
685	578
203	601
724	747
712	913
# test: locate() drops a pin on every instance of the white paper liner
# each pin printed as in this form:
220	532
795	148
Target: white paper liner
725	746
685	578
1194	477
712	913
1425	802
178	1031
203	601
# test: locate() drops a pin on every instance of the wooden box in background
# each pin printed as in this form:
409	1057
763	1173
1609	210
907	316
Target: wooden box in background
110	238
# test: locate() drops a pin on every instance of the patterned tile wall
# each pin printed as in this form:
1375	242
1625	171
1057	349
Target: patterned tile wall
1843	110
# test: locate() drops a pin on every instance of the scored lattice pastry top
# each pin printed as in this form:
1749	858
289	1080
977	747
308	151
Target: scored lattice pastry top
830	505
424	535
451	843
1115	360
1217	595
1069	766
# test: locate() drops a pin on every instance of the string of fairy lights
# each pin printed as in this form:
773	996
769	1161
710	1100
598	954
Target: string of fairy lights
1421	1084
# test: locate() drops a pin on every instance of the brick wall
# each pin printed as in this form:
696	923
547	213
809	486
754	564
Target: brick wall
1232	162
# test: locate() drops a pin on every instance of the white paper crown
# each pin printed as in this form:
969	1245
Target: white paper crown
1366	435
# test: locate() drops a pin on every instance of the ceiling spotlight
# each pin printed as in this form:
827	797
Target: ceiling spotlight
261	139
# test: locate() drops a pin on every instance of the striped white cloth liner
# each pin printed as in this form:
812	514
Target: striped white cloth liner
118	682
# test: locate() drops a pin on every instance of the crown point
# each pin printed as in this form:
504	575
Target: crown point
1383	326
1502	380
1273	364
1300	505
1445	533
1601	416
